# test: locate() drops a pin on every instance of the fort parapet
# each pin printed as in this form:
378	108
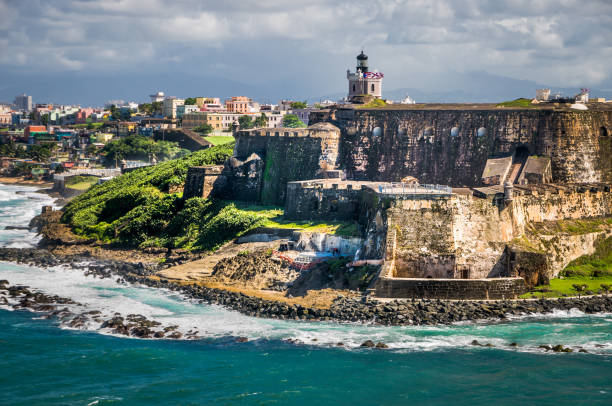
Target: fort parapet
450	144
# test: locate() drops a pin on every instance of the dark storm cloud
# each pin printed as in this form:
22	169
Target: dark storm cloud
278	42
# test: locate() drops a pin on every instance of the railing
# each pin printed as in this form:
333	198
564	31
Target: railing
404	189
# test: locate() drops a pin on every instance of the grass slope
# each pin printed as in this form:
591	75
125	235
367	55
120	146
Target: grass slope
219	139
138	210
589	273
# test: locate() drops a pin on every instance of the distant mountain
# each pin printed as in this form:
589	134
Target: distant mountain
473	87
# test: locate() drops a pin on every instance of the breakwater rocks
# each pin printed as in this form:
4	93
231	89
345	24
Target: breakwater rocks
72	314
397	312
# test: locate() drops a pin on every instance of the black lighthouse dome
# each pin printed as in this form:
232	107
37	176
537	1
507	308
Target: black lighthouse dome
362	62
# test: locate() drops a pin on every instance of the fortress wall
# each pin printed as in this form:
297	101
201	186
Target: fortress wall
465	236
452	146
457	289
331	202
289	155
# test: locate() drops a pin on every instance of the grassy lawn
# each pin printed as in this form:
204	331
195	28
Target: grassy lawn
274	219
219	139
81	182
524	103
559	287
591	270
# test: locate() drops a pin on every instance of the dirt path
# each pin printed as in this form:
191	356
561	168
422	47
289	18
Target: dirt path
201	268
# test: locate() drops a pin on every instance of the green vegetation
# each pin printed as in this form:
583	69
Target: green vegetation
374	103
273	217
292	121
597	264
573	227
91	126
245	122
140	147
12	150
219	139
356	279
151	109
261	121
571	287
137	210
516	103
586	275
120	114
190	101
81	182
204	129
299	105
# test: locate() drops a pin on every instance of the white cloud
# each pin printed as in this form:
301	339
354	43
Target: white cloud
408	39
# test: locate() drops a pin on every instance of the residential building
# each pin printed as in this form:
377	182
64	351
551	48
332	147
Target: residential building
186	108
302	114
82	115
201	101
219	121
275	118
6	118
157	97
23	102
169	106
241	104
31	129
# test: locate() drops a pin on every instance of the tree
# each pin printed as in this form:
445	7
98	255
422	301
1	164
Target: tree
292	121
114	112
204	129
190	101
91	149
261	121
299	105
138	147
245	122
44	119
42	152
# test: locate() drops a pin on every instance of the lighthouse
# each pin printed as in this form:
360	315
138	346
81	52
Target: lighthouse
364	84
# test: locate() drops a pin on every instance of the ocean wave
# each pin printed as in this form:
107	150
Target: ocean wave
216	322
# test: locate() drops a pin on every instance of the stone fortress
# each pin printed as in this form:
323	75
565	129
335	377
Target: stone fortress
445	194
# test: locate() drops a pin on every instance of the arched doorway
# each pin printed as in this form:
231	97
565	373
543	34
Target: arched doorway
603	132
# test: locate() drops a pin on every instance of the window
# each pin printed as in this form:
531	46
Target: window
372	86
353	87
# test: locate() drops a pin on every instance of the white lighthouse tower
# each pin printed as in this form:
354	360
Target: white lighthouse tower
363	83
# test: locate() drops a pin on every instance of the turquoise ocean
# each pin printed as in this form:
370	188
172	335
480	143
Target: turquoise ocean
45	363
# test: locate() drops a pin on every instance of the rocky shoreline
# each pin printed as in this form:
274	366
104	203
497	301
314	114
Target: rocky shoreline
343	309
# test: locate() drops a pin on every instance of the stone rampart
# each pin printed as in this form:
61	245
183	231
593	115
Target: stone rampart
494	288
466	237
201	181
289	154
448	144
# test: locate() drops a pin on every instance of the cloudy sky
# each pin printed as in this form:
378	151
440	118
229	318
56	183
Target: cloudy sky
90	51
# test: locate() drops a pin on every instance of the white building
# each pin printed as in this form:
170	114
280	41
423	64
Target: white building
183	109
169	106
157	97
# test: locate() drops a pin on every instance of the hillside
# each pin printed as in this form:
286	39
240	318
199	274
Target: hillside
138	210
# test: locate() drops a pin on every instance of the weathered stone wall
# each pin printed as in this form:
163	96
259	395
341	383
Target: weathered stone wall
496	288
465	236
451	145
201	181
322	200
289	155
